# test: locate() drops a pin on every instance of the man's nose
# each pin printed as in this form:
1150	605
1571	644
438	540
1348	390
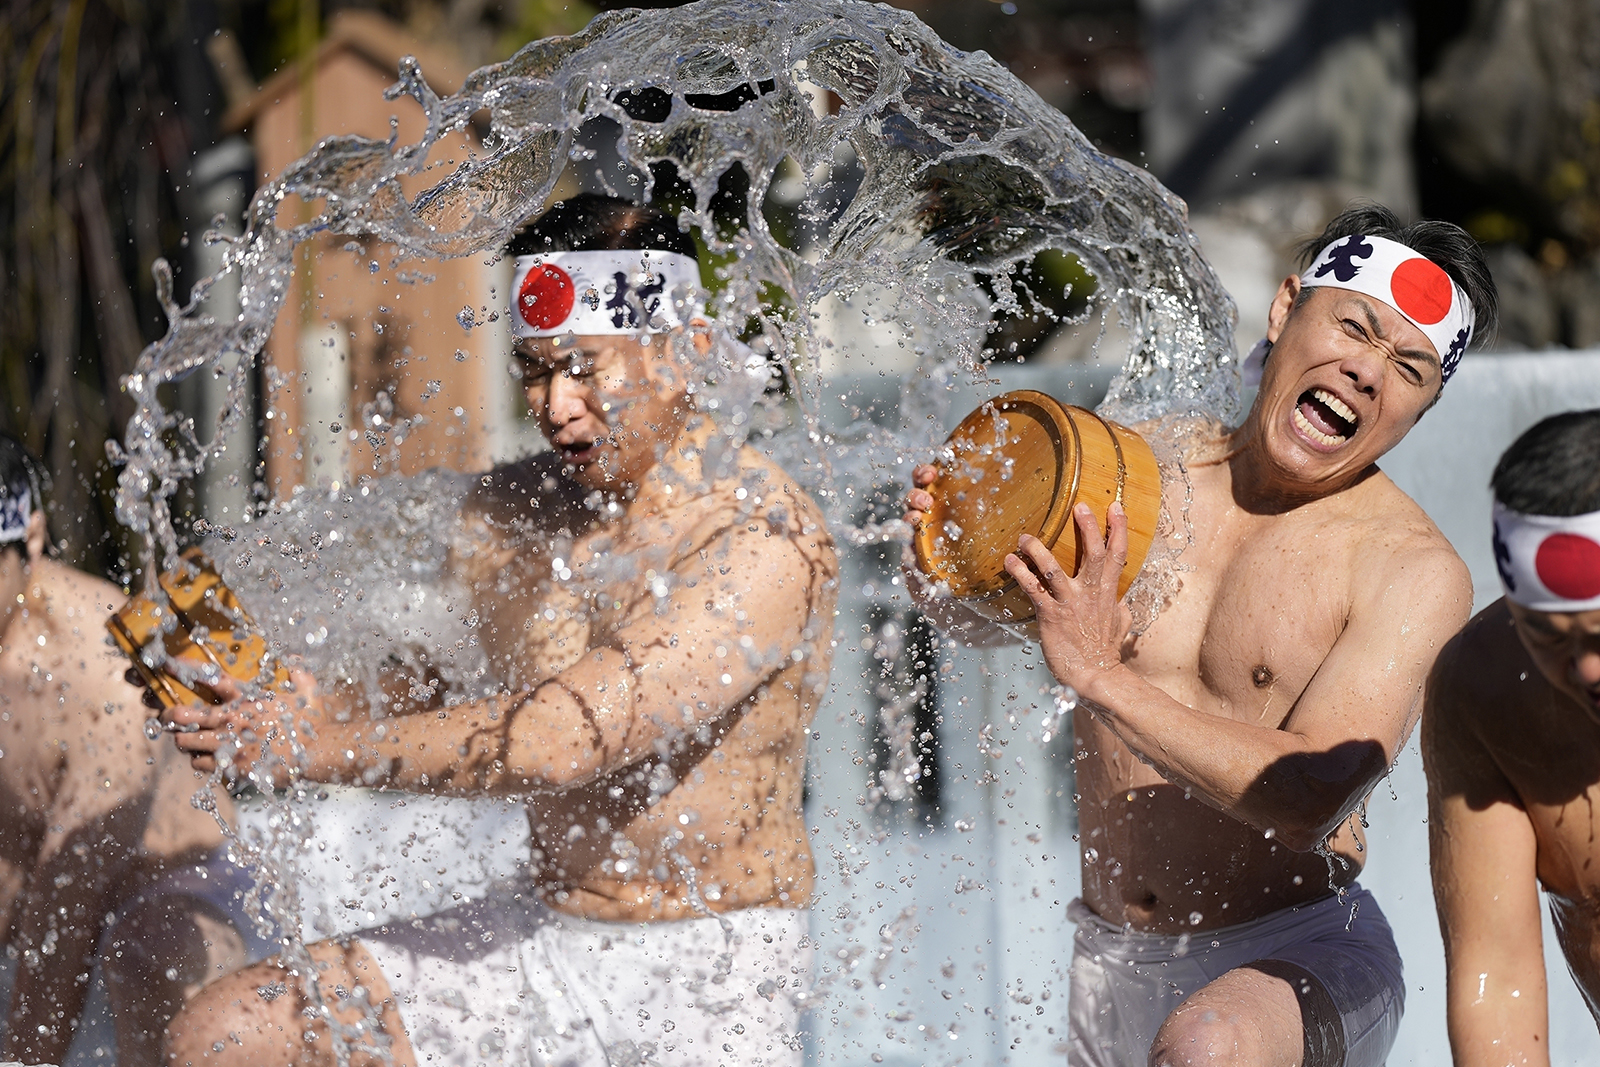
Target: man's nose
1586	663
567	399
1365	369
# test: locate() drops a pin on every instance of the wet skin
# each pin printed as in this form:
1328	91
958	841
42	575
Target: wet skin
1511	743
1266	602
1243	729
1247	725
86	819
725	799
662	676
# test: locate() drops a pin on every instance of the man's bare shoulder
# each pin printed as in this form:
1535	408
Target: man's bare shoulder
79	604
529	491
1398	546
762	499
94	721
1382	504
1495	728
785	498
1484	677
89	593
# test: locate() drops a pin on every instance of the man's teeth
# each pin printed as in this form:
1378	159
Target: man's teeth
1312	432
1339	407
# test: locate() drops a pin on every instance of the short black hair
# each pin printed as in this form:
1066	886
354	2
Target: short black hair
1445	243
590	222
21	473
1553	468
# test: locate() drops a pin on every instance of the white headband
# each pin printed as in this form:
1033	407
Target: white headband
15	507
558	293
1548	562
1410	283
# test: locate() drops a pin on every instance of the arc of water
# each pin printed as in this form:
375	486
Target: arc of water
964	170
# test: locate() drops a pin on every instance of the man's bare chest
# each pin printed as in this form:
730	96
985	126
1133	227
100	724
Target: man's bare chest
1569	845
1556	773
1248	627
558	595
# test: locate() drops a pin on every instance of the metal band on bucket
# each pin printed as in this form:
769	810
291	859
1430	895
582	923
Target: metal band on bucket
1548	562
611	292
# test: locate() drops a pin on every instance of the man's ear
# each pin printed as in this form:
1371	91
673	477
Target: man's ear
1282	306
36	536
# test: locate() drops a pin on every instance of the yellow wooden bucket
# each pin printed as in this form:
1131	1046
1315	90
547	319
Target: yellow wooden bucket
201	623
1019	464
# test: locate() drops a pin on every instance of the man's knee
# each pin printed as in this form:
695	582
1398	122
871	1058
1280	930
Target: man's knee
1216	1035
248	1019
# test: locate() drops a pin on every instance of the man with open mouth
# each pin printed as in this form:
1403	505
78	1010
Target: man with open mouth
656	599
1222	754
1511	744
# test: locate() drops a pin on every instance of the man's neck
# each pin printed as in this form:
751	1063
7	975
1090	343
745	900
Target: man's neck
1260	486
682	473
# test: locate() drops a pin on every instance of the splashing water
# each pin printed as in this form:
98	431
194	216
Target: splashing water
959	171
1058	716
930	179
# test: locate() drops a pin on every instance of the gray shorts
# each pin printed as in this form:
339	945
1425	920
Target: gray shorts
1340	956
218	887
506	981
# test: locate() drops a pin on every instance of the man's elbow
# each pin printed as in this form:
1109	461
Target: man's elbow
1309	796
1305	823
543	776
1305	836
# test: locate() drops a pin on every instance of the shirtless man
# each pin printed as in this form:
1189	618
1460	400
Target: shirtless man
1222	749
659	602
1511	744
93	810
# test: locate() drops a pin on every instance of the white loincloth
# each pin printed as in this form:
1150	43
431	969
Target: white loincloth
507	981
1126	983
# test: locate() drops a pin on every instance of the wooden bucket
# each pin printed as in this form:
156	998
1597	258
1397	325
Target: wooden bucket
1018	464
201	624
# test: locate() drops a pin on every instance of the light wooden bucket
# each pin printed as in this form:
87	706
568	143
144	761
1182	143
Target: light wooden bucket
1019	464
201	624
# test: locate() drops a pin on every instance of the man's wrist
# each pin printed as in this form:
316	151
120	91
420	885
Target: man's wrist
330	750
1100	688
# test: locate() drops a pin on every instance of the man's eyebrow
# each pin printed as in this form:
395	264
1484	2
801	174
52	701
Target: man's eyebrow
549	357
1409	353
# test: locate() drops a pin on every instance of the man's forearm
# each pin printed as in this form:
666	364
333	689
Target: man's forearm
1493	1025
1272	779
466	750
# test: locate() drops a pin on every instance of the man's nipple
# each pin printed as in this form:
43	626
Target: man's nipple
1261	675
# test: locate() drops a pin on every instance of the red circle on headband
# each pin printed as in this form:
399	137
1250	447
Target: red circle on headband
1569	566
546	296
1422	290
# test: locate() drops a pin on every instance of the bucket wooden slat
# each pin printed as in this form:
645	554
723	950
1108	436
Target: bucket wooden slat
1018	464
196	598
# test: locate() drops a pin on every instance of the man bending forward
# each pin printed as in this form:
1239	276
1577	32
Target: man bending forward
1511	743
